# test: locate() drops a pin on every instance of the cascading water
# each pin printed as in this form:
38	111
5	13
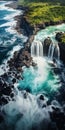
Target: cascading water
57	52
54	52
37	49
51	51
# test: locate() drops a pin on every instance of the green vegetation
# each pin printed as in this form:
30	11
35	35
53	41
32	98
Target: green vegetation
63	38
41	12
53	1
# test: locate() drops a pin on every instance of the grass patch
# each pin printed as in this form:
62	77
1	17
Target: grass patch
63	38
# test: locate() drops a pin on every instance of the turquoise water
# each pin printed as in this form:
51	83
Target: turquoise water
50	32
40	79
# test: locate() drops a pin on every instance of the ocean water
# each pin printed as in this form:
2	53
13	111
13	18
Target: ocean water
10	40
27	111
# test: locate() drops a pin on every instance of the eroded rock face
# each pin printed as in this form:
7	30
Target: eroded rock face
62	51
21	58
46	45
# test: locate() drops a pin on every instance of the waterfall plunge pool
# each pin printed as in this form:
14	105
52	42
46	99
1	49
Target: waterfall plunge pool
42	79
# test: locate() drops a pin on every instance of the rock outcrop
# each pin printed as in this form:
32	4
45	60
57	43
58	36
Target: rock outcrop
59	36
46	45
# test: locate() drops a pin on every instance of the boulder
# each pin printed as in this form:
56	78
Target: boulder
46	45
41	97
3	100
6	91
14	80
59	36
62	52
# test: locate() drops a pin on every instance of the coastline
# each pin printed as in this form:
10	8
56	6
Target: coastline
13	4
14	74
23	27
23	58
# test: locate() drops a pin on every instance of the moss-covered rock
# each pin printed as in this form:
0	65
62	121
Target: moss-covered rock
61	39
59	36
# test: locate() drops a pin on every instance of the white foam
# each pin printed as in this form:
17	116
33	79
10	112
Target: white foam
11	23
4	67
29	110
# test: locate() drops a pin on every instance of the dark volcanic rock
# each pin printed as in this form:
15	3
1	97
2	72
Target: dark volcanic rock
62	52
6	91
1	117
23	26
20	58
14	80
61	45
58	117
3	100
46	45
59	36
41	97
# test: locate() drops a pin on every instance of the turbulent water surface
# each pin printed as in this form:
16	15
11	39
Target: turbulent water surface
27	111
9	39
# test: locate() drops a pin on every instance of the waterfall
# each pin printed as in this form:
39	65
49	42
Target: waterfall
51	51
58	52
37	49
54	52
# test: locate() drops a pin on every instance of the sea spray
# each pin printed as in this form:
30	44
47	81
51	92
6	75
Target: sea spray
25	112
